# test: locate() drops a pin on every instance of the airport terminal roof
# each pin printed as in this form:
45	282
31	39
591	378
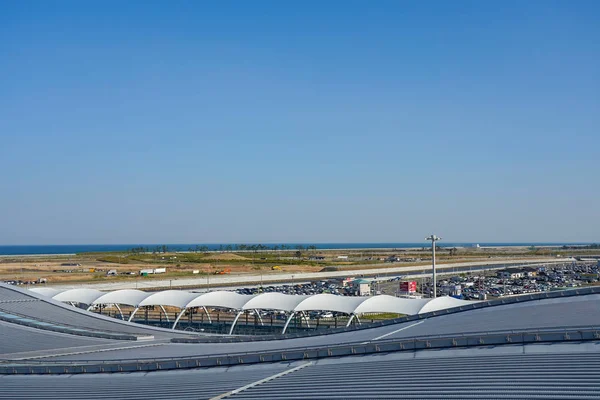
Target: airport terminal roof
486	350
482	375
264	301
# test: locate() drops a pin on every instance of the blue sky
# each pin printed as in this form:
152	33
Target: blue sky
339	121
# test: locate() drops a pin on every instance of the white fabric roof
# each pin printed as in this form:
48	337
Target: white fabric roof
174	298
275	301
391	304
83	296
46	291
222	299
264	301
330	302
127	296
441	303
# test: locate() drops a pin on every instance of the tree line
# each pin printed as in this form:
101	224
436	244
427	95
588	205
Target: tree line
225	248
253	247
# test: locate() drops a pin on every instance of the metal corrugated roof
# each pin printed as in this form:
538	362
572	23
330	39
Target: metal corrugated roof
526	377
19	339
562	375
565	366
191	384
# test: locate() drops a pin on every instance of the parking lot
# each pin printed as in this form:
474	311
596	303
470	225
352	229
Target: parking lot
329	286
466	285
565	276
477	285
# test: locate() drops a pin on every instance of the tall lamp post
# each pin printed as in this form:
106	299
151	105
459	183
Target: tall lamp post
433	239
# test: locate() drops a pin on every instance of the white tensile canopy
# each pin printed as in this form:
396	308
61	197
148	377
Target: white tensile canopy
82	296
291	304
46	291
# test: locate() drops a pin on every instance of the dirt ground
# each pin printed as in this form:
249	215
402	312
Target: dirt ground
87	268
35	271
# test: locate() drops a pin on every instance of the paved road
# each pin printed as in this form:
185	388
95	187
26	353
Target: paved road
243	280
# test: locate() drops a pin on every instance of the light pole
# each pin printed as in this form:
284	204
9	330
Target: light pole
433	239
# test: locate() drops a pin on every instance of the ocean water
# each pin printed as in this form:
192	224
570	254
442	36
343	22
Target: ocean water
88	248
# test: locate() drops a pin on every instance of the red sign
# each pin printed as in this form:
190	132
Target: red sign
410	286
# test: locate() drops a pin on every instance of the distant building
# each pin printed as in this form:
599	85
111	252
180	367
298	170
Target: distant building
361	287
451	290
510	273
146	272
347	281
364	289
530	272
408	287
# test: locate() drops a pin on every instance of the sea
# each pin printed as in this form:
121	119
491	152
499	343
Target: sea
95	248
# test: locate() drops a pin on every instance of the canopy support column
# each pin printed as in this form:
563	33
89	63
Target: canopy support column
207	314
358	319
288	322
235	321
177	319
351	318
165	312
306	319
133	313
259	317
120	312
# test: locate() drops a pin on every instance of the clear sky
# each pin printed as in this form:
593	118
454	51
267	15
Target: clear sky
311	121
